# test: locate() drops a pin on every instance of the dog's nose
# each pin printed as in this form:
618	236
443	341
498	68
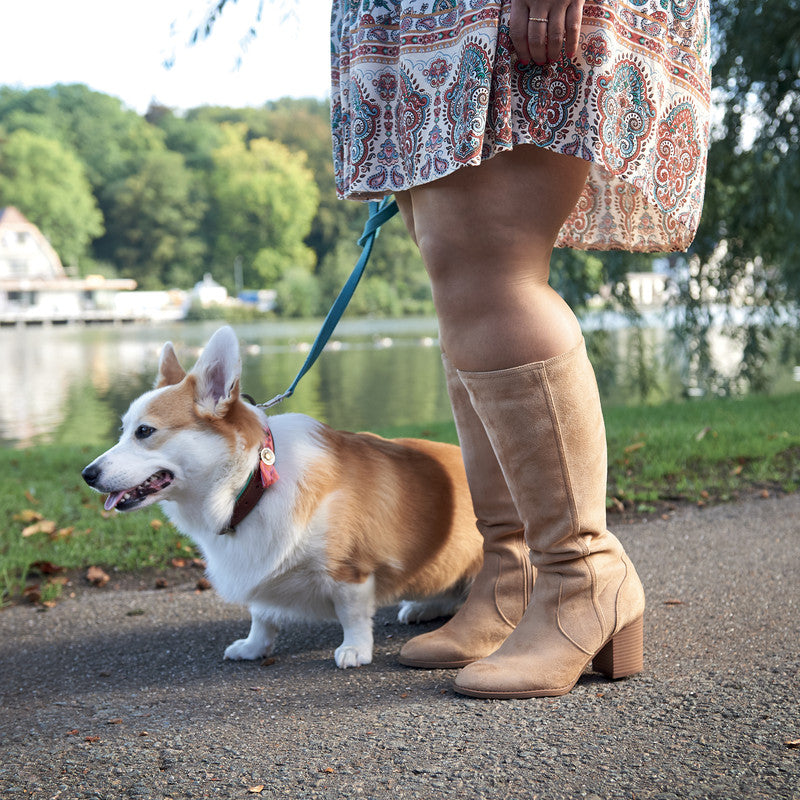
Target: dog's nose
91	474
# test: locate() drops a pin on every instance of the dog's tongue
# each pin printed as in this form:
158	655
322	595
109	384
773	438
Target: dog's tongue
112	500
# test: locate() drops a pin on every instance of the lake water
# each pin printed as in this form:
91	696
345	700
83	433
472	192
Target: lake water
72	384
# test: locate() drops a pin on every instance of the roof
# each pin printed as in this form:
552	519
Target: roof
12	216
33	259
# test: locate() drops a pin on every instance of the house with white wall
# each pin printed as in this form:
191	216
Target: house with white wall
34	287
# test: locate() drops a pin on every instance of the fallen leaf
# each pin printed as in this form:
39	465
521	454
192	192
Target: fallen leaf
97	577
618	504
47	567
161	583
91	739
256	789
632	448
114	722
701	434
267	662
203	585
73	732
33	593
198	563
63	533
737	470
764	494
673	602
156	524
178	562
42	526
30	497
792	743
27	515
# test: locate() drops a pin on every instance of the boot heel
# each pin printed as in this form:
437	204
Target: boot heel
623	654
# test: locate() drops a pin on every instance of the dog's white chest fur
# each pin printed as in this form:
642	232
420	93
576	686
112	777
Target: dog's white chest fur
272	557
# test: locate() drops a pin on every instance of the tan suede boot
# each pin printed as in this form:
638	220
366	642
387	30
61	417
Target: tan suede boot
546	426
502	588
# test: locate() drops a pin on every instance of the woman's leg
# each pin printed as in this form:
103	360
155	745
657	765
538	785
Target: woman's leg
486	235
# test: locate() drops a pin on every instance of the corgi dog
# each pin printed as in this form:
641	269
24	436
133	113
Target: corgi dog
329	524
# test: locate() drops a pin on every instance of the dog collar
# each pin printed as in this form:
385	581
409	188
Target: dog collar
263	476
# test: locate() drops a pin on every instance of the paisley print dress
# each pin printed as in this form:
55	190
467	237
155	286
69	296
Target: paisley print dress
421	88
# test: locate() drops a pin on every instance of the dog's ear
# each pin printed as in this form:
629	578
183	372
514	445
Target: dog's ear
170	371
217	373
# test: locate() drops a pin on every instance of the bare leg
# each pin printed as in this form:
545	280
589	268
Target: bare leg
486	234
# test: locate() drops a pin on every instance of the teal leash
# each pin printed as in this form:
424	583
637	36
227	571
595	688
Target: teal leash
379	213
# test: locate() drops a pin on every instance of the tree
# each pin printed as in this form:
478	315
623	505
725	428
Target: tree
109	139
154	223
195	138
47	182
746	251
263	202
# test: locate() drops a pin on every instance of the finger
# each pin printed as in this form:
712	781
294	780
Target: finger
537	36
518	25
555	36
573	27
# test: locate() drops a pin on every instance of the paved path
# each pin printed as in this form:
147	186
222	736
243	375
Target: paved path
125	695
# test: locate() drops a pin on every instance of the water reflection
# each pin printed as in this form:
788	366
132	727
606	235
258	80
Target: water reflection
72	384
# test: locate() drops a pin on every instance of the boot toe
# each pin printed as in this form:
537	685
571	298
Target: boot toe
434	651
505	679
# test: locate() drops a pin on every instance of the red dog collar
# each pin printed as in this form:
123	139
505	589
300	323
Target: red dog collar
264	475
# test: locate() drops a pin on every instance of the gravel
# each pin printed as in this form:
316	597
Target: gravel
124	694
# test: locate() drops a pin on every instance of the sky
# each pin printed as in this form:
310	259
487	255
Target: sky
119	47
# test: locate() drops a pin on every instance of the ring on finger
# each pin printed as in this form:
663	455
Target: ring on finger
537	19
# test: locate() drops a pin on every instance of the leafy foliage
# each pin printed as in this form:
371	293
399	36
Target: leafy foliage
264	199
47	182
154	222
747	247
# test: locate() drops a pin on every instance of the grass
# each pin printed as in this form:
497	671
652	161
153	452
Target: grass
704	451
695	452
41	490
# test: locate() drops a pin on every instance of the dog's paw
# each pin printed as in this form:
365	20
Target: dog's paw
349	656
247	650
412	612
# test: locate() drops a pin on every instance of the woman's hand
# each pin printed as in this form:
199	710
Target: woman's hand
540	28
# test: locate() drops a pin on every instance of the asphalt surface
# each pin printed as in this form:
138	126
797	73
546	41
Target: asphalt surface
124	694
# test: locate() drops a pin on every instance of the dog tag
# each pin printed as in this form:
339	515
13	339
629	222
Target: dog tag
267	456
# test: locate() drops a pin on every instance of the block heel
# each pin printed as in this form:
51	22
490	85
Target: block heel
623	654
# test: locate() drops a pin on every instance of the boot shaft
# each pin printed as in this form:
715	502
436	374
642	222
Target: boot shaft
546	423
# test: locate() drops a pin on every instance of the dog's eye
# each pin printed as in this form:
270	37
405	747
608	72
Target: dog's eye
143	431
